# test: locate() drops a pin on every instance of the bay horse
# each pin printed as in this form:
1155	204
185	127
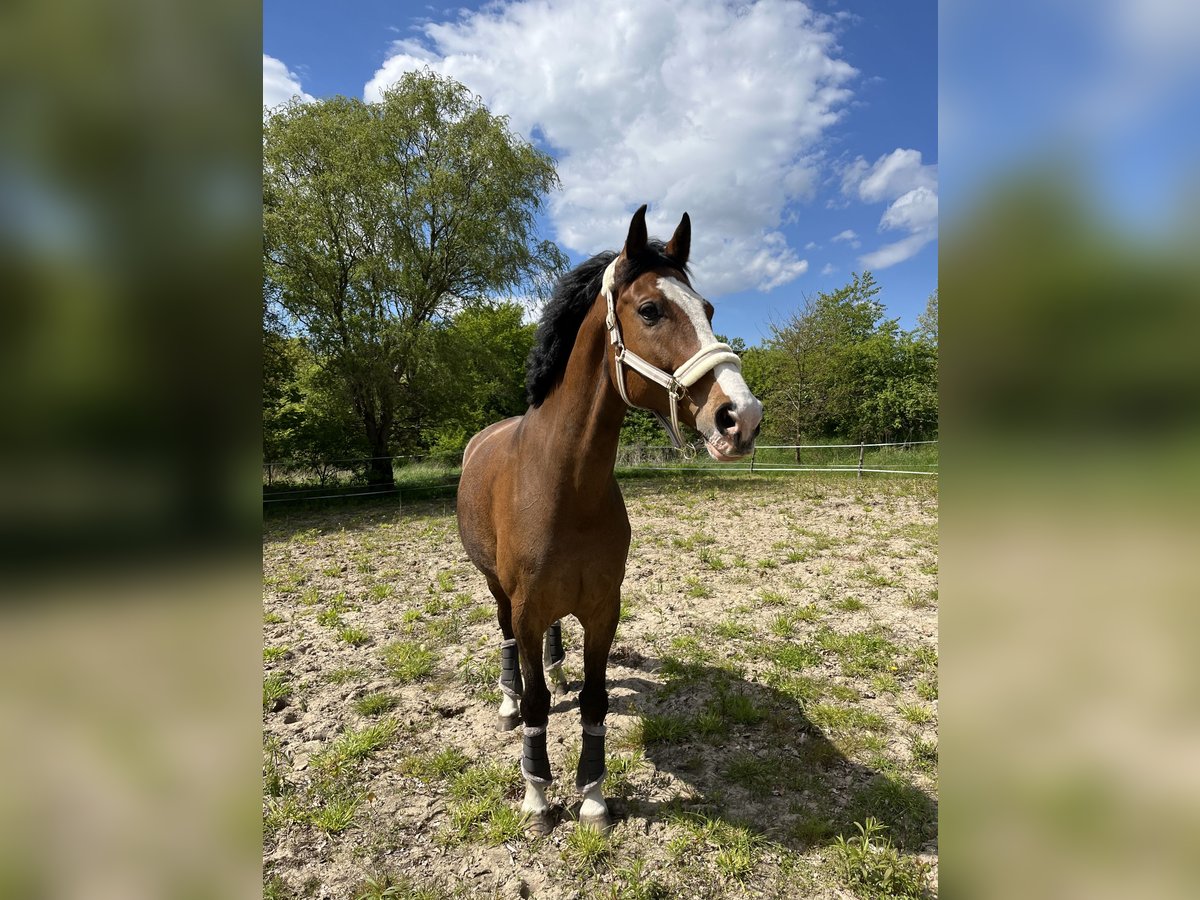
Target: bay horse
539	510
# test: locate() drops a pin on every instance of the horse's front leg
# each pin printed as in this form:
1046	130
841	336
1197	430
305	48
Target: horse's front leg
593	707
535	714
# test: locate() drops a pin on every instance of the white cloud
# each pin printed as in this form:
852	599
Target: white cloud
890	254
704	106
280	84
914	211
811	245
828	269
911	186
891	175
847	235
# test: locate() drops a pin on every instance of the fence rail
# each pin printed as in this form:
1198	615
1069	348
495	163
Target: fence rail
292	481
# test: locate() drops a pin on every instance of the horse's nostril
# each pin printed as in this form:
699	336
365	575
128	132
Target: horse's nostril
725	419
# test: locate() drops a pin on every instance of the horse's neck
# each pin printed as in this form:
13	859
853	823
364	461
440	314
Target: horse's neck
579	423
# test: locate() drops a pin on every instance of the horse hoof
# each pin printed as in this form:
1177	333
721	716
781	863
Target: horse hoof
539	824
507	723
601	822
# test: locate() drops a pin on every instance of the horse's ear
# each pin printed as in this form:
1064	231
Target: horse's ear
635	241
681	242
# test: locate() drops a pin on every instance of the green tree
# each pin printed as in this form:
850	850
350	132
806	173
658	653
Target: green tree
380	219
476	376
927	322
840	368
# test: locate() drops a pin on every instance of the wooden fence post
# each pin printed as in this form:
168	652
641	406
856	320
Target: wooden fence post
860	460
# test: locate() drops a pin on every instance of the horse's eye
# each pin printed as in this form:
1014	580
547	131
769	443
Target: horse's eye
649	312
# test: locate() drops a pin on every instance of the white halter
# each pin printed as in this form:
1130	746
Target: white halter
677	383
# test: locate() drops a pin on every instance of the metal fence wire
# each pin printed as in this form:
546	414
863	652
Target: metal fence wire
290	481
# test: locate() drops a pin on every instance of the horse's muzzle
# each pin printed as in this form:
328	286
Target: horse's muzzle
737	427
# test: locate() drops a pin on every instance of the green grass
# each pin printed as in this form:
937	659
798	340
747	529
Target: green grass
735	847
407	661
273	618
885	683
803	688
872	576
329	618
921	599
861	653
275	689
375	704
480	676
927	689
353	636
379	592
621	768
633	883
731	630
924	754
910	816
845	719
871	867
914	713
388	886
338	814
792	657
697	588
692	541
756	775
353	746
481	807
849	604
445	582
664	729
270	654
586	849
772	598
343	674
436	766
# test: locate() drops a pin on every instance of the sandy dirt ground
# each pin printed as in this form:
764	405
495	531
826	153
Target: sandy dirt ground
773	681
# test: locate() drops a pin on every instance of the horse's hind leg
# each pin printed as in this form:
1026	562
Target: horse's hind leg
535	713
510	669
598	632
552	658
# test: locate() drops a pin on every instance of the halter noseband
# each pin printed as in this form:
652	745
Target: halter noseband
675	383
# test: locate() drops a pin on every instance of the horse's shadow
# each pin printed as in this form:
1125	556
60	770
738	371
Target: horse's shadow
745	753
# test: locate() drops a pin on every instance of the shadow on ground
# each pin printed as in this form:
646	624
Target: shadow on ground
748	754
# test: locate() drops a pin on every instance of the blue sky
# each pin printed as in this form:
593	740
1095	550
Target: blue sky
801	139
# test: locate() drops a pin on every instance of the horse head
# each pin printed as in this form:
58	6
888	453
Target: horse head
664	355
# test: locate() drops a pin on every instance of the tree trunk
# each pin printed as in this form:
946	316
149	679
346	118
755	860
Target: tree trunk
379	472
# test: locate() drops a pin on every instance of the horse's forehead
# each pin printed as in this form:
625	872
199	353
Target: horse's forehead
692	304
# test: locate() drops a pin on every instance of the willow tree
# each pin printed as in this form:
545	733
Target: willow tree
382	217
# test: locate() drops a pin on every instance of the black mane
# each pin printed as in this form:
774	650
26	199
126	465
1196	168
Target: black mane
573	296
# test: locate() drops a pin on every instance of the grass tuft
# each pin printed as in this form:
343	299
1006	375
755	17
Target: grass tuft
586	849
664	729
872	867
375	704
353	636
407	661
275	690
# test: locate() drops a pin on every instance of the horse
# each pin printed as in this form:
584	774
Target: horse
540	513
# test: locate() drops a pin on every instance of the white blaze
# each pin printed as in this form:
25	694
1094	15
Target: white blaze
728	375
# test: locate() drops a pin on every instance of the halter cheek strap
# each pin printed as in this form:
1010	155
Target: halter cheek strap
675	383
